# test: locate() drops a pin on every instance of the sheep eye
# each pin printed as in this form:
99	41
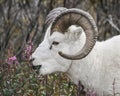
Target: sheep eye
55	43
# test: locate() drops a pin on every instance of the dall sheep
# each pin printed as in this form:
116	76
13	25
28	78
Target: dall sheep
70	45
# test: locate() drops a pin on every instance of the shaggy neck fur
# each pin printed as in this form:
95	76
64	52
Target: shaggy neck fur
100	68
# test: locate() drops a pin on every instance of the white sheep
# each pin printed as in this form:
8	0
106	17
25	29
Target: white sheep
95	64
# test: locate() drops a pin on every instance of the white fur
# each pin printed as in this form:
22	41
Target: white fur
97	71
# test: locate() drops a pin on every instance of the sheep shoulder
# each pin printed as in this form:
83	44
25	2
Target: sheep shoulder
100	68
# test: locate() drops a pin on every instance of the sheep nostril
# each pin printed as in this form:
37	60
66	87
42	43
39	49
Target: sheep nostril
31	60
36	67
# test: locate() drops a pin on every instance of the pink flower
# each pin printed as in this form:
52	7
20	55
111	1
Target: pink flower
12	60
28	50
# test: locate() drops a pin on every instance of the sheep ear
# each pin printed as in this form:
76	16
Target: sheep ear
74	32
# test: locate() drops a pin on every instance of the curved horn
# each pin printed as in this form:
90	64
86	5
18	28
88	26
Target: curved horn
81	18
53	14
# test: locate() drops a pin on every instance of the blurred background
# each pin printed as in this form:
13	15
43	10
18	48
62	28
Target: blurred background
22	26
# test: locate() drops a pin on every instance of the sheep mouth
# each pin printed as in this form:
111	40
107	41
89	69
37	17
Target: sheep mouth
36	69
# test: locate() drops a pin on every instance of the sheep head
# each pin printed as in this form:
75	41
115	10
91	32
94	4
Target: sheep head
67	28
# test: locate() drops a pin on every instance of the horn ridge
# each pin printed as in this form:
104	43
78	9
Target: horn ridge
53	14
